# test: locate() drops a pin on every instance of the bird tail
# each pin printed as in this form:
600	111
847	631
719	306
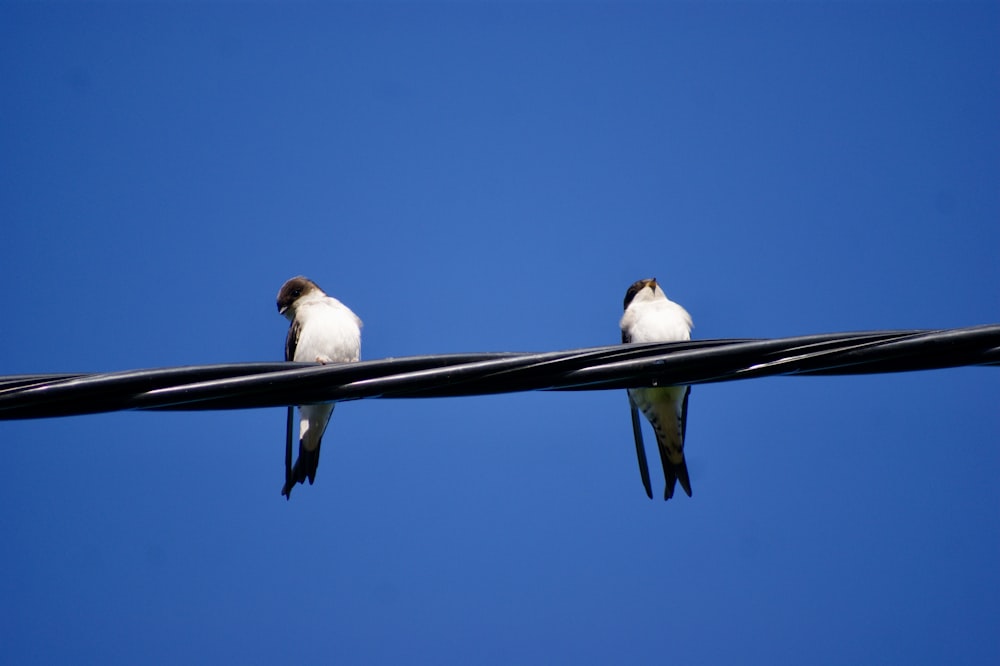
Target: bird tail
312	425
674	472
670	430
304	468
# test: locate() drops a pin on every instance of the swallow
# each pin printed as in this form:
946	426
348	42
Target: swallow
652	317
322	330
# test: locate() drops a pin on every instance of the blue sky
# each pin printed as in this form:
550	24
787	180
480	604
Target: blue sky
492	177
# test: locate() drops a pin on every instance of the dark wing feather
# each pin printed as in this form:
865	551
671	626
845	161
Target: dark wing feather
292	340
640	449
289	431
684	415
290	343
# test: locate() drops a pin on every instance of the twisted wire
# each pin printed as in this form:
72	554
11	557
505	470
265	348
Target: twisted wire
253	385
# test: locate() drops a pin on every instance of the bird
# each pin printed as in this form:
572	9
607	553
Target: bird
652	317
322	330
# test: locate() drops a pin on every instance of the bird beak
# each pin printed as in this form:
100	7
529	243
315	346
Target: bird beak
652	284
281	310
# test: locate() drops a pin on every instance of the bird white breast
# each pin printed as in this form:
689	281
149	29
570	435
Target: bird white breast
659	320
330	332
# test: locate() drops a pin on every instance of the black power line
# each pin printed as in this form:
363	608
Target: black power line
250	385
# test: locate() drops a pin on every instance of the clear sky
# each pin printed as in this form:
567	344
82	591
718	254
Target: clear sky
492	177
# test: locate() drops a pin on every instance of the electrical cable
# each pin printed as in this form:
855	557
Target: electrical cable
255	385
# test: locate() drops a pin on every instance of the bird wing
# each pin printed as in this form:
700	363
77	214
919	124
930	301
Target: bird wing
292	340
289	432
640	447
684	415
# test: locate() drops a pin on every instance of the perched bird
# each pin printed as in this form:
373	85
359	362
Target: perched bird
652	317
323	330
